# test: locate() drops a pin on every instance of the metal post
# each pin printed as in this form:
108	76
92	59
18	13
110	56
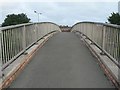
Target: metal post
35	30
0	55
23	38
103	40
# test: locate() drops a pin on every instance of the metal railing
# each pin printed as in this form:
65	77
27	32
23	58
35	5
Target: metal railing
105	36
14	40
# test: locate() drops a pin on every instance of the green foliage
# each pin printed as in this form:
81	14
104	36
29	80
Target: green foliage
14	19
114	18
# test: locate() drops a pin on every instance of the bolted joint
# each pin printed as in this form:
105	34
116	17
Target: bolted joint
25	53
92	43
102	53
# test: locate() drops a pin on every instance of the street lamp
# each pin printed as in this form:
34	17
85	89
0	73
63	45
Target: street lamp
38	14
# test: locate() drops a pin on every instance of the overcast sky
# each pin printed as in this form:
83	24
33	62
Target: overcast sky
61	12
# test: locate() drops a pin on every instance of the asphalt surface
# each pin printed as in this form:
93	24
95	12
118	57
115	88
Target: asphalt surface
63	62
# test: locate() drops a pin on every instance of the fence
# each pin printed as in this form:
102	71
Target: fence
105	36
14	40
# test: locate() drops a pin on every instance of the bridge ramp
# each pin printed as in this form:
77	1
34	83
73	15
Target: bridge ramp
63	62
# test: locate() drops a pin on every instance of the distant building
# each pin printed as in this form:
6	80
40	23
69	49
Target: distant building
119	7
65	28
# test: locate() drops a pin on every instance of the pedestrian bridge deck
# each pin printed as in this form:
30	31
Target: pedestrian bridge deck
63	62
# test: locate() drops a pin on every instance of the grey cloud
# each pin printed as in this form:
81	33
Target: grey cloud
63	12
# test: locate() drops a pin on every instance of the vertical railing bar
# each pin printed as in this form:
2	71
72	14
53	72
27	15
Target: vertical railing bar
24	38
12	42
112	32
15	42
5	47
107	30
117	43
13	47
114	44
117	49
1	54
21	36
35	28
110	40
2	47
18	34
8	45
10	32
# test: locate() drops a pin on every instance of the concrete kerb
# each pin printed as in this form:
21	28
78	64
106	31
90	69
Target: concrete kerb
11	76
109	68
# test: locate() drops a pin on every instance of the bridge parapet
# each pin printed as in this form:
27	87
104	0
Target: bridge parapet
16	39
107	38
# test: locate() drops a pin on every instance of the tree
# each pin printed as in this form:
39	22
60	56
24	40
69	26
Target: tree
13	19
114	18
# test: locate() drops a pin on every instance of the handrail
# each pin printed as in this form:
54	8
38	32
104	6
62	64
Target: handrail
105	24
14	26
24	24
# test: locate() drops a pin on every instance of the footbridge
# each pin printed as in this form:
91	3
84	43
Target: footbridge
40	55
